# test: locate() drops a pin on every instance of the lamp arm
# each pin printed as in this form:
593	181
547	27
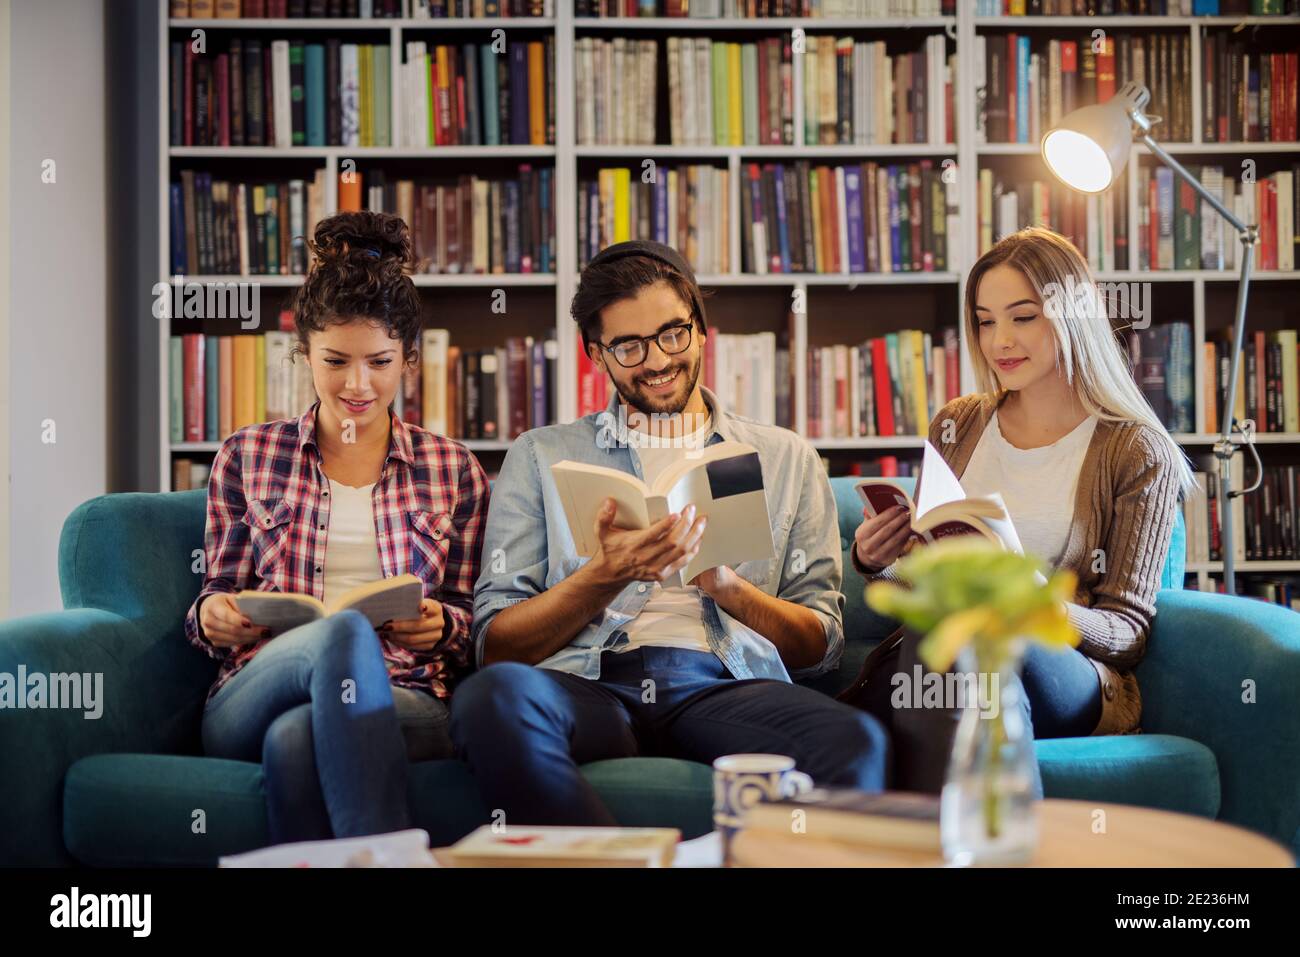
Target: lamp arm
1205	194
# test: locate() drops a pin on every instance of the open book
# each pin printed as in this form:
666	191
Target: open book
396	599
723	481
941	507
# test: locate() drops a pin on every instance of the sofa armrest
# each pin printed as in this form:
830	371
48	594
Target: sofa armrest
1223	670
148	692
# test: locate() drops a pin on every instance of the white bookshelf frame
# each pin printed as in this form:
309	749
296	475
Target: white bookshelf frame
565	153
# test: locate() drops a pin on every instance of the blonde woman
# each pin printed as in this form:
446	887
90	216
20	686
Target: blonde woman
1091	479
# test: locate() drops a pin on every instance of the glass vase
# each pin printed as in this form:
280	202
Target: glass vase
988	808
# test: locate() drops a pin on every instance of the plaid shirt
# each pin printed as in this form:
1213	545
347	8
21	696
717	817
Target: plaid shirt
268	516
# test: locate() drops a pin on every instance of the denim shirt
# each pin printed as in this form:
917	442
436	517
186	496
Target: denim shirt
528	547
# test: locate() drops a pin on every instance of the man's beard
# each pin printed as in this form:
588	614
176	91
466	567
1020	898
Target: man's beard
637	398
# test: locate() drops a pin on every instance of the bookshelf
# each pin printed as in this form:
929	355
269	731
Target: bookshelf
835	302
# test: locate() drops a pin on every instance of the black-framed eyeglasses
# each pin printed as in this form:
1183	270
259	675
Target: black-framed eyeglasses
632	352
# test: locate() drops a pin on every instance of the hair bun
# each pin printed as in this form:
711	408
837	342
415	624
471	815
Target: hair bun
354	237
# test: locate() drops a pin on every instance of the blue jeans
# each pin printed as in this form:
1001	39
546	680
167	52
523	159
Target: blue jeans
1062	698
524	730
316	708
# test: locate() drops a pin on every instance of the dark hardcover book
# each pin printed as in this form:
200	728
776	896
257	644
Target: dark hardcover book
176	93
995	112
488	394
237	92
504	116
511	189
473	112
333	100
297	94
473	396
516	371
176	213
518	93
255	132
538	383
202	120
268	94
549	88
844	96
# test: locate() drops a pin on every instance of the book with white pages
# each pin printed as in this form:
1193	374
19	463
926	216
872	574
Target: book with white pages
389	599
940	507
724	481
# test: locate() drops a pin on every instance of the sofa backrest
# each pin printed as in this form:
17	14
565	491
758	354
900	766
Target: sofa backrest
140	555
137	554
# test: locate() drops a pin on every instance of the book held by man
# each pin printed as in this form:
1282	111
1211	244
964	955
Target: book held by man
724	481
389	599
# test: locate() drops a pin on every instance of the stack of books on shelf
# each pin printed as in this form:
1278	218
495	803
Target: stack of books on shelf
1027	83
440	9
1177	230
257	91
751	375
617	88
469	225
221	383
1247	95
684	206
1096	223
881	466
889	385
1161	357
1145	8
733	9
280	9
494	393
861	217
1266	521
856	93
478	94
360	9
242	228
719	93
1268	391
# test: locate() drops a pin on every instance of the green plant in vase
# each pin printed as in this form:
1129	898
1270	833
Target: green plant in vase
980	603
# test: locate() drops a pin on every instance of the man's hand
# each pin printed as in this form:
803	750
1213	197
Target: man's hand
224	625
649	554
717	583
417	634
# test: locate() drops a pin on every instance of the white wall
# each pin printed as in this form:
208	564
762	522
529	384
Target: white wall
57	297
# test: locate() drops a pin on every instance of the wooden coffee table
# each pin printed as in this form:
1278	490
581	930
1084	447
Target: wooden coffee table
1067	837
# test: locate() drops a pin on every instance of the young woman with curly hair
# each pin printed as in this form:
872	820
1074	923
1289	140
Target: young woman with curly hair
346	493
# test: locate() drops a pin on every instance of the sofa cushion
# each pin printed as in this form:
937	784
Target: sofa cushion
1151	770
127	810
131	810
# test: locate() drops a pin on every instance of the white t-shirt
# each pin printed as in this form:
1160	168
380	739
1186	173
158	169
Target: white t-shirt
672	616
1038	485
351	548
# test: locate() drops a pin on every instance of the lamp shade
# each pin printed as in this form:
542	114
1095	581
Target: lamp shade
1090	146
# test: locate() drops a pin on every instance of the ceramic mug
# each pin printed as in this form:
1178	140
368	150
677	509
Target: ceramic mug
742	780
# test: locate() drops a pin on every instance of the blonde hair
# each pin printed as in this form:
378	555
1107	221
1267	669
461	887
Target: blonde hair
1087	348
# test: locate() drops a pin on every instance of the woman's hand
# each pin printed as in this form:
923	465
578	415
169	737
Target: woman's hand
417	634
879	540
224	625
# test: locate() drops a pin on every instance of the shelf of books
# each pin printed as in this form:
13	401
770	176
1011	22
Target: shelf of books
831	168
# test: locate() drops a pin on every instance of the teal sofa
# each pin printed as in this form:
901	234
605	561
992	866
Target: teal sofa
131	788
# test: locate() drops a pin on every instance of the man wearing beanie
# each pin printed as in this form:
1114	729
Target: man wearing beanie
585	659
